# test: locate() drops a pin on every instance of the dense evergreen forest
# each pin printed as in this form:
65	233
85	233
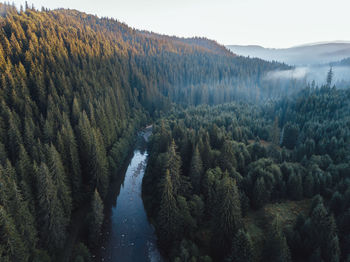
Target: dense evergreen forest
242	182
228	178
74	89
343	62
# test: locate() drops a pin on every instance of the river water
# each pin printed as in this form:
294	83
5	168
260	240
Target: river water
127	235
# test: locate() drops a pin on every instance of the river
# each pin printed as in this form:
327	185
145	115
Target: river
127	234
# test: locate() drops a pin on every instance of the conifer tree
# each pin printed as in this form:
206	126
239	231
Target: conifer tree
188	224
24	166
227	159
276	248
99	164
12	247
172	165
242	248
12	200
259	193
210	185
330	77
196	170
59	179
294	186
290	135
229	216
29	139
325	233
168	215
96	218
14	139
50	213
67	147
205	151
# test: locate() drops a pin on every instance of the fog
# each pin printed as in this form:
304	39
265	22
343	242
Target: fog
296	73
341	75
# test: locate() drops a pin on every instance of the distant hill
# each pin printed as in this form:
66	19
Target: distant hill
343	62
308	54
205	44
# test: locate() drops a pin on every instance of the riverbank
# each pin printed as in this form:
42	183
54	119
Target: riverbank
127	234
78	227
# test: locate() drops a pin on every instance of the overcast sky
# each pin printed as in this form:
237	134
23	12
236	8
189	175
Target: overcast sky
270	23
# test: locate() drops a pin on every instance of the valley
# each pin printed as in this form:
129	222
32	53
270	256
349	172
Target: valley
121	144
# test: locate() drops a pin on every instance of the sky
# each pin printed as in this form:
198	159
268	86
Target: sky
270	23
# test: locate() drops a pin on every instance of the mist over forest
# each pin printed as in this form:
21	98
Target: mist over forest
316	73
310	62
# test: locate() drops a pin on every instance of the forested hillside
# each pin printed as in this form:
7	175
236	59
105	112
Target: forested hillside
74	88
343	62
240	182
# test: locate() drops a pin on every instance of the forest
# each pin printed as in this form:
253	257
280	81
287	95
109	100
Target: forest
240	169
241	182
74	89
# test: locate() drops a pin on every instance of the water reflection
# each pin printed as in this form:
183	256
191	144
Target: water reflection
127	234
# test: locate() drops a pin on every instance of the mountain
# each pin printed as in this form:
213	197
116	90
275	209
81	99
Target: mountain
74	89
308	54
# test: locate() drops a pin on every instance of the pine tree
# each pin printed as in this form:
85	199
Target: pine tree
96	219
24	167
290	135
59	179
276	248
242	248
51	213
75	111
227	158
294	186
205	151
92	152
29	138
12	200
173	164
259	193
330	77
168	215
165	138
12	247
211	185
68	149
2	59
196	170
325	233
188	224
84	140
229	216
99	164
14	139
